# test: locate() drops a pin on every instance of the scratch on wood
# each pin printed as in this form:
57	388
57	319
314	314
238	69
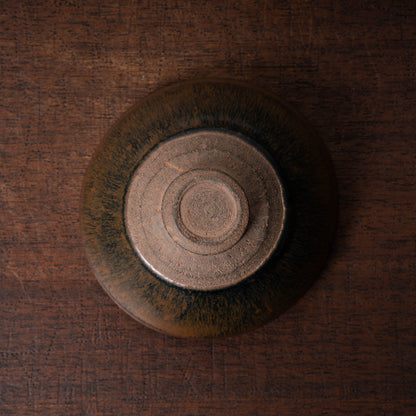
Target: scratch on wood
19	279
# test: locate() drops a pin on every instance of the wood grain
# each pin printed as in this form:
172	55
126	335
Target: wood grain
68	71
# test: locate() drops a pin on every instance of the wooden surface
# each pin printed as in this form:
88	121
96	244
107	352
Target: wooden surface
69	69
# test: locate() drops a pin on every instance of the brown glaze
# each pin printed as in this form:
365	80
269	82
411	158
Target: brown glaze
119	208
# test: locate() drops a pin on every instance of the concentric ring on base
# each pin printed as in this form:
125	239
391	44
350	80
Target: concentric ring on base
205	209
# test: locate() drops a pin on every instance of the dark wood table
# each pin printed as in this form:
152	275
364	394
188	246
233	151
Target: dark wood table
69	69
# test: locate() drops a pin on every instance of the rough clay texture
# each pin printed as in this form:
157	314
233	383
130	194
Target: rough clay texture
205	210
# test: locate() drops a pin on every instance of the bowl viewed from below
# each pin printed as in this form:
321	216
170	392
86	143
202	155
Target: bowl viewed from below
208	209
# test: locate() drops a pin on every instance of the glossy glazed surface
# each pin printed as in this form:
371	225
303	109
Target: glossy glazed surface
308	182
